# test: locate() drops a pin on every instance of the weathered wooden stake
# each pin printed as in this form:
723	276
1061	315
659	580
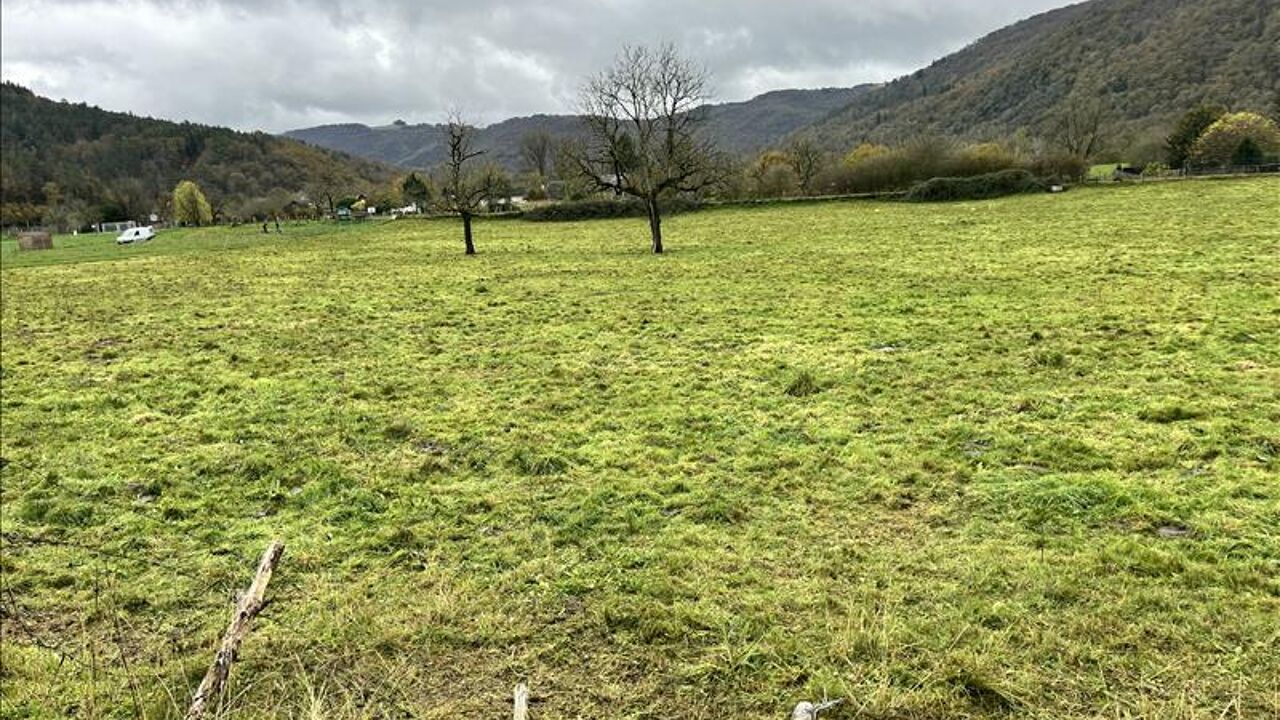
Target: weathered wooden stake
522	702
251	603
808	711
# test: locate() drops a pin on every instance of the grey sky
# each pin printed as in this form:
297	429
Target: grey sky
282	65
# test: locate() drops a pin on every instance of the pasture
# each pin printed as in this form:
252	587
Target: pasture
1008	458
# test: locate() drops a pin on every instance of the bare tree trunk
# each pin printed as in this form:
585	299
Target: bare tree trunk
655	224
466	233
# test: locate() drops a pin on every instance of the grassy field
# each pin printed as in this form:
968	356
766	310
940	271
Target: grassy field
1013	458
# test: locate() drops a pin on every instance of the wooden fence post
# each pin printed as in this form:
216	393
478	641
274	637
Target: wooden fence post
521	711
251	603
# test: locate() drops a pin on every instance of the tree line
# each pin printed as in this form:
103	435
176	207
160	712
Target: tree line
642	140
69	166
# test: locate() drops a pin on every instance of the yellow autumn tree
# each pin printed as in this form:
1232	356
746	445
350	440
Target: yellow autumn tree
190	207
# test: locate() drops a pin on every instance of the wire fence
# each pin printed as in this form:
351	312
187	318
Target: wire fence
1124	175
84	608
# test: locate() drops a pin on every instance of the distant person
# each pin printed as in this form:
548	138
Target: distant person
264	227
278	230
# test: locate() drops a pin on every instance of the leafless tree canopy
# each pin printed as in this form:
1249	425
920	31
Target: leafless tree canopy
536	149
463	186
1080	129
642	115
805	158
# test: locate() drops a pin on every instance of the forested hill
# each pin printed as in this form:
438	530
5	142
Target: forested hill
741	128
97	165
1144	62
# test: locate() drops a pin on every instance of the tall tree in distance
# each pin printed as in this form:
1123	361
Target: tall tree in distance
1188	130
1080	127
190	207
772	175
416	190
642	116
463	188
130	196
536	149
806	159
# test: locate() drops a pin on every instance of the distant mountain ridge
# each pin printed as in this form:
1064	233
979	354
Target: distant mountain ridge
741	128
1145	61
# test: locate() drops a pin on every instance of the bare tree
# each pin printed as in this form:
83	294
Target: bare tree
130	194
642	116
536	148
1080	127
324	188
806	159
463	188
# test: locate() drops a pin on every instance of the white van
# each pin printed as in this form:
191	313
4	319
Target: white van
135	235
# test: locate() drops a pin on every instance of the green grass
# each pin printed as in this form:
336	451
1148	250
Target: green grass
1105	171
1016	458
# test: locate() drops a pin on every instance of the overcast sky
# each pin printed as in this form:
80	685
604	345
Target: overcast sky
282	65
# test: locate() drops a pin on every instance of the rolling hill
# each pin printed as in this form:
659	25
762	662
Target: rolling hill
85	164
741	128
1145	62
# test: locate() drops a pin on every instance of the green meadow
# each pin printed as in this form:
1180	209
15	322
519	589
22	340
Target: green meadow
1017	458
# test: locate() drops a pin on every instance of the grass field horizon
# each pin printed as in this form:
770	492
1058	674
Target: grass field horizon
981	459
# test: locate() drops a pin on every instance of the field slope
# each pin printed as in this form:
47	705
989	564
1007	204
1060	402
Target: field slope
1012	458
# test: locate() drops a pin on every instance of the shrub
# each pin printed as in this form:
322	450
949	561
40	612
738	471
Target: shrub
1059	167
875	168
1238	136
537	192
601	208
864	152
980	160
772	176
1248	153
978	187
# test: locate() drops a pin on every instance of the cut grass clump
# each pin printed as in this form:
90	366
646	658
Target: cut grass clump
1169	413
535	464
803	385
982	692
1049	359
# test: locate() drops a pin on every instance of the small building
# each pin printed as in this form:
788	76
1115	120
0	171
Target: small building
116	227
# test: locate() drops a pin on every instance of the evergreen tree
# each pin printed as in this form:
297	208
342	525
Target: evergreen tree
1189	129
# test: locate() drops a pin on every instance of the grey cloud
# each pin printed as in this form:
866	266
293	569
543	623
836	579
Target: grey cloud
288	64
